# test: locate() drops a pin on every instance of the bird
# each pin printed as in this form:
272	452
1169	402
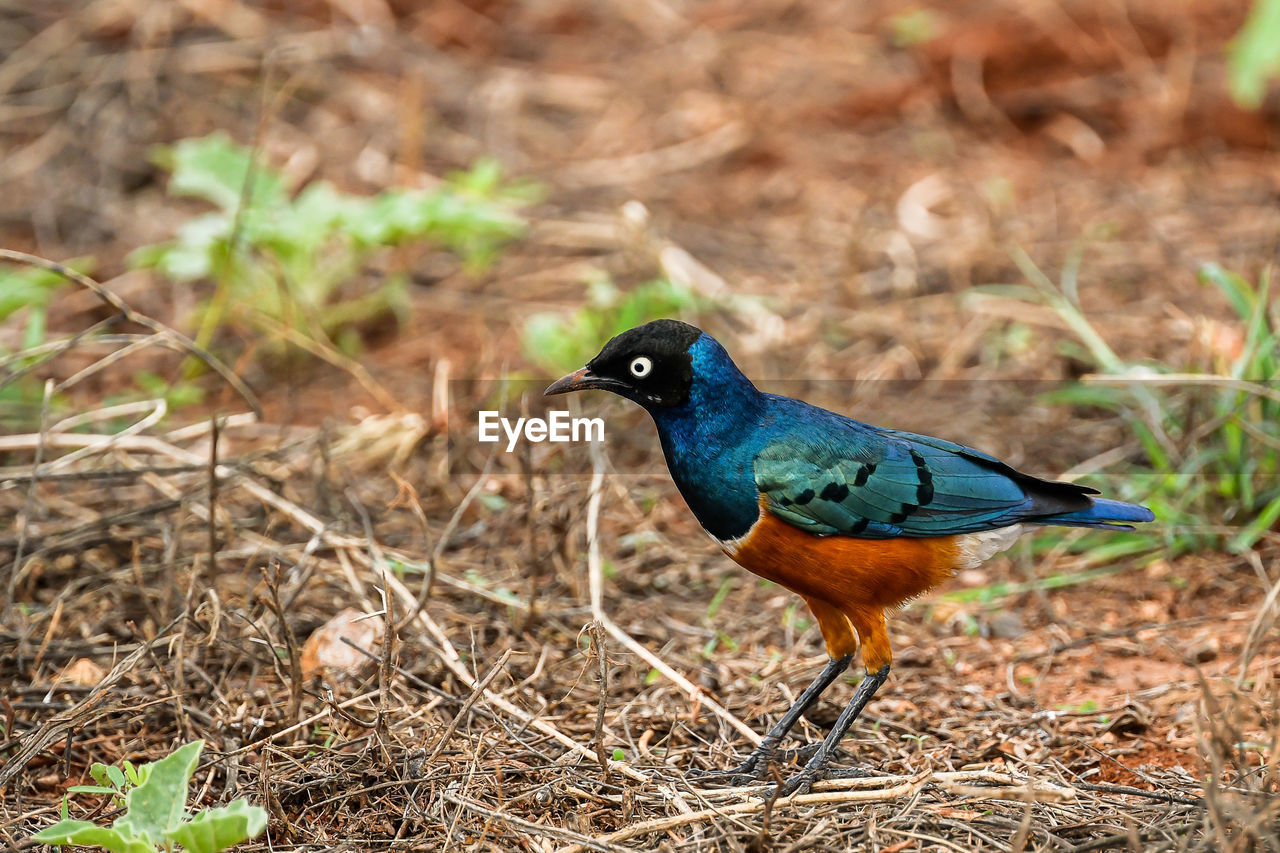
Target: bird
856	519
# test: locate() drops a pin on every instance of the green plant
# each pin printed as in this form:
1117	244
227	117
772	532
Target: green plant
1088	706
285	264
1254	56
914	27
112	780
559	343
31	288
1209	440
154	798
25	295
175	394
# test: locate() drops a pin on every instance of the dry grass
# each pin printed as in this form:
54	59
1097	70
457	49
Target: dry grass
161	582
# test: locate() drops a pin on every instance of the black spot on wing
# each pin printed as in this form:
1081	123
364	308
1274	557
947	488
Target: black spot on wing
864	471
901	515
804	497
835	492
924	491
859	526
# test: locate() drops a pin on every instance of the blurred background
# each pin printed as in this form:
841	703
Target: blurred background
1044	228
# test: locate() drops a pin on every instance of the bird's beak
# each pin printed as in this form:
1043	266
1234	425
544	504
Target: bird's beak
581	380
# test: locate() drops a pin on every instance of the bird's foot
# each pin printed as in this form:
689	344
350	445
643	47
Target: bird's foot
800	783
813	771
744	774
847	772
730	778
754	768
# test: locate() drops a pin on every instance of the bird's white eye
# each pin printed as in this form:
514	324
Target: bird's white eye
641	367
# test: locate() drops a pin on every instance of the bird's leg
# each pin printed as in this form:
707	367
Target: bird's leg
758	760
812	770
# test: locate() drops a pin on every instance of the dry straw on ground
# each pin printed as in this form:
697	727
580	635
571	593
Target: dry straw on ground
161	577
188	564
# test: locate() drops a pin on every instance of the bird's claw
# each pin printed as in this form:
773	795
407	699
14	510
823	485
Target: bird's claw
756	766
730	778
801	782
847	773
744	774
803	753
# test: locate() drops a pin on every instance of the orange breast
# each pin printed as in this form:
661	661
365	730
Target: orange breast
837	575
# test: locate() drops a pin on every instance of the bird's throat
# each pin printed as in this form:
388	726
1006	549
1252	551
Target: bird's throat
710	443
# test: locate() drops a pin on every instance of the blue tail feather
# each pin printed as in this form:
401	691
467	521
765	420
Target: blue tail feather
1103	513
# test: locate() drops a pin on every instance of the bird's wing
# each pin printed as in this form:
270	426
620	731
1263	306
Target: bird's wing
873	483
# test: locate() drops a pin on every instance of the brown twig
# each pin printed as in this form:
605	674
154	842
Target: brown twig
272	576
596	631
476	692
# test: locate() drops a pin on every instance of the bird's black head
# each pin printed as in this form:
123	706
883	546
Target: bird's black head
649	364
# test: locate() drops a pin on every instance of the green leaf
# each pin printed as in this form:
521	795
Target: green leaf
484	181
215	168
619	755
136	775
115	775
91	789
33	287
84	833
217	829
1254	56
1234	287
915	27
37	320
726	586
156	807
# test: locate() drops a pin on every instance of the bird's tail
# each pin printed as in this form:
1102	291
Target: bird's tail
1102	513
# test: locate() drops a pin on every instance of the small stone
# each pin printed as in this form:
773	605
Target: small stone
1007	625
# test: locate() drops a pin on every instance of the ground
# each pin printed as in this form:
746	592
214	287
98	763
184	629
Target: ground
846	188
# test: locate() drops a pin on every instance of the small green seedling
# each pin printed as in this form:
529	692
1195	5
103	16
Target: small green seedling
914	27
112	780
1088	706
154	798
